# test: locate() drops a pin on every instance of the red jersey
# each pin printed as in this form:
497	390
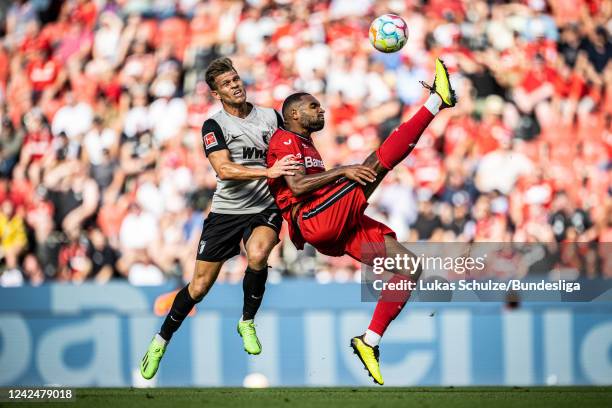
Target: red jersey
282	143
330	218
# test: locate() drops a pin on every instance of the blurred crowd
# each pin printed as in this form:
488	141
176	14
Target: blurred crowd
102	173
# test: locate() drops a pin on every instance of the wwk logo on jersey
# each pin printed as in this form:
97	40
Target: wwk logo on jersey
253	152
210	140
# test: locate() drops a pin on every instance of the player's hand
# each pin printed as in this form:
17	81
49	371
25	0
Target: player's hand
360	173
286	166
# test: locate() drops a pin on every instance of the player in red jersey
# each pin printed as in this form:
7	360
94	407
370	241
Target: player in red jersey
326	207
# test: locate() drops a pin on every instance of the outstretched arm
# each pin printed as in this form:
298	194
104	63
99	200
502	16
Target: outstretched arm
228	170
302	183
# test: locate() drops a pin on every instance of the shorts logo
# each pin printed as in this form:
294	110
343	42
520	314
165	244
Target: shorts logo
210	140
202	245
288	142
271	222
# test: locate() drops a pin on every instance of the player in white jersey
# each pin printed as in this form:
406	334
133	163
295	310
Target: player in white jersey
236	143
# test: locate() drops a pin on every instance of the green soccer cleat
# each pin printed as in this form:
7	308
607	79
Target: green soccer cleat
369	358
246	330
150	362
442	86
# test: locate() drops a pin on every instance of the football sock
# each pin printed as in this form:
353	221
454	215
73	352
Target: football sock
371	338
402	140
253	286
160	339
390	304
182	305
433	103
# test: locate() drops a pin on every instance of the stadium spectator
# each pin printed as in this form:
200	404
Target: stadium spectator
13	236
103	257
33	271
102	102
11	141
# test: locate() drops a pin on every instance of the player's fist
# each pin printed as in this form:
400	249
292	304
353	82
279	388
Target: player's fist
360	173
286	166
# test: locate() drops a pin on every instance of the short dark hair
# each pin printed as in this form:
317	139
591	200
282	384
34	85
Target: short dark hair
217	67
290	101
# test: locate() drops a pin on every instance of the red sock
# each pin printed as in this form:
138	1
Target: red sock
390	304
402	140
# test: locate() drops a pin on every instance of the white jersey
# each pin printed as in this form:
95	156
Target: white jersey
247	141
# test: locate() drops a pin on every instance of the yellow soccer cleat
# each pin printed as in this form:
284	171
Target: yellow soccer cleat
442	86
369	357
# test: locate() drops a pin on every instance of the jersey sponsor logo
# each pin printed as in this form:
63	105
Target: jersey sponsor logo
312	162
210	140
288	142
253	152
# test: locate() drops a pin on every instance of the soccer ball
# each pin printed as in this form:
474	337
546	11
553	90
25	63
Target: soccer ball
388	33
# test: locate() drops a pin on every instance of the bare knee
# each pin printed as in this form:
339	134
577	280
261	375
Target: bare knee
372	162
257	255
411	267
199	287
416	274
203	278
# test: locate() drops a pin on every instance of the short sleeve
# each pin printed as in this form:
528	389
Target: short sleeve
279	120
212	137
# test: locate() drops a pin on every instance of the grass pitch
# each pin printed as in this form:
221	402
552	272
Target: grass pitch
444	397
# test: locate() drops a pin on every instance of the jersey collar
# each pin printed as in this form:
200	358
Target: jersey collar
308	139
246	118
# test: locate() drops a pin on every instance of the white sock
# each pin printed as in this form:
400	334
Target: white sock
160	339
433	103
371	338
242	319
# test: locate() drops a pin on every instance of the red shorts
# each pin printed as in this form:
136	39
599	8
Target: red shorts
335	224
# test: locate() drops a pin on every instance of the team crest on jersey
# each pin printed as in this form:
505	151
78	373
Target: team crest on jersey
266	136
210	140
